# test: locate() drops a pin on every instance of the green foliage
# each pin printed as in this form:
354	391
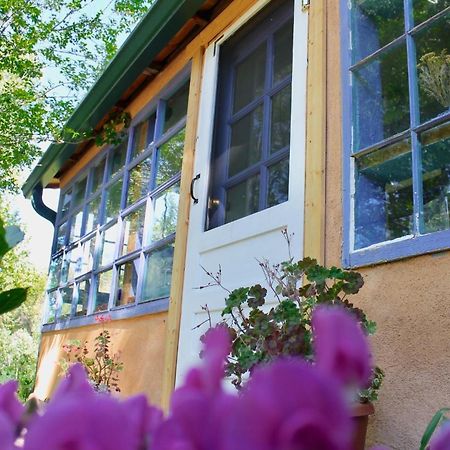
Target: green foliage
260	332
51	53
435	422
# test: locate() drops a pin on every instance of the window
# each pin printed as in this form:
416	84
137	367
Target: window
396	128
115	230
250	165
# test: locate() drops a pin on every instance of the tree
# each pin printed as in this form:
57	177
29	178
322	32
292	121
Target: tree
51	51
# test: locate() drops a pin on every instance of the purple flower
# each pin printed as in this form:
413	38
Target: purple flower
290	405
441	441
341	347
10	414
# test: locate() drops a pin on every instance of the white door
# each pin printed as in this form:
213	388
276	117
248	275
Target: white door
234	246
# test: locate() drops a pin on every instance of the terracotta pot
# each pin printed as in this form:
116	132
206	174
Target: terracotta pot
360	415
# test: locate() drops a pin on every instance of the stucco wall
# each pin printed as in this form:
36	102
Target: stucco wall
408	299
140	342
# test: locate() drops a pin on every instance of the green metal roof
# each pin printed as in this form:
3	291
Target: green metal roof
150	36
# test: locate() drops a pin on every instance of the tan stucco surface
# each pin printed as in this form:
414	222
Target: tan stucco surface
140	342
409	300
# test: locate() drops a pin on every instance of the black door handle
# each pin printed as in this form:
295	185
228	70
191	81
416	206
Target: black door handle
192	188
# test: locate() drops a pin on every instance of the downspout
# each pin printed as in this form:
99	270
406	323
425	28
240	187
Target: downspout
39	206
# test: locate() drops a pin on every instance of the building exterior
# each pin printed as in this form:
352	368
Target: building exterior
249	117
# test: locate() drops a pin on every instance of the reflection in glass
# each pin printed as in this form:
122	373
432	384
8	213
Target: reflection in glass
75	227
176	107
108	245
104	282
74	262
83	298
433	58
158	273
133	232
66	201
87	261
54	272
66	301
113	199
93	214
246	142
61	236
384	195
381	98
165	213
424	9
52	306
139	182
118	158
242	199
143	135
97	175
127	283
282	62
249	78
375	23
170	156
80	189
278	183
65	267
281	119
436	179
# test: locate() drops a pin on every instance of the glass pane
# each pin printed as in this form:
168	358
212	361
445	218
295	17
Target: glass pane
66	301
80	190
97	175
61	236
384	195
143	135
158	273
119	156
75	228
83	298
250	77
65	267
436	179
66	201
73	262
54	272
176	107
139	183
278	183
165	213
108	245
375	23
381	98
113	198
424	9
246	142
433	57
281	119
87	262
133	230
282	61
128	279
93	214
104	282
170	156
242	200
52	306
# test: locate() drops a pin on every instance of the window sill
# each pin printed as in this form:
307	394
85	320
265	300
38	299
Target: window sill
128	312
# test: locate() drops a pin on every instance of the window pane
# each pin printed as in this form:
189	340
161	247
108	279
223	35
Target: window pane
281	119
278	183
375	23
242	200
97	175
128	279
66	201
246	142
176	107
113	198
165	213
282	64
433	57
73	261
93	214
65	267
250	77
139	183
436	179
119	155
158	273
83	298
54	272
143	135
61	236
383	199
108	245
87	262
104	282
381	98
75	228
66	301
424	9
52	306
133	230
80	190
170	156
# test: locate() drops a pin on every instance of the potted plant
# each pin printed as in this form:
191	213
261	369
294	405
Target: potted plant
263	330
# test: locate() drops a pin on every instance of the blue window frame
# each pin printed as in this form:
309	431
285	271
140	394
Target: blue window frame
396	106
250	163
115	229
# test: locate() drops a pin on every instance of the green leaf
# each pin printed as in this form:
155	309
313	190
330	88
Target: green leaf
431	428
12	299
4	247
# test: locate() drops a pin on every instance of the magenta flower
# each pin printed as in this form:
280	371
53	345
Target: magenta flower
290	405
441	441
10	414
341	347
